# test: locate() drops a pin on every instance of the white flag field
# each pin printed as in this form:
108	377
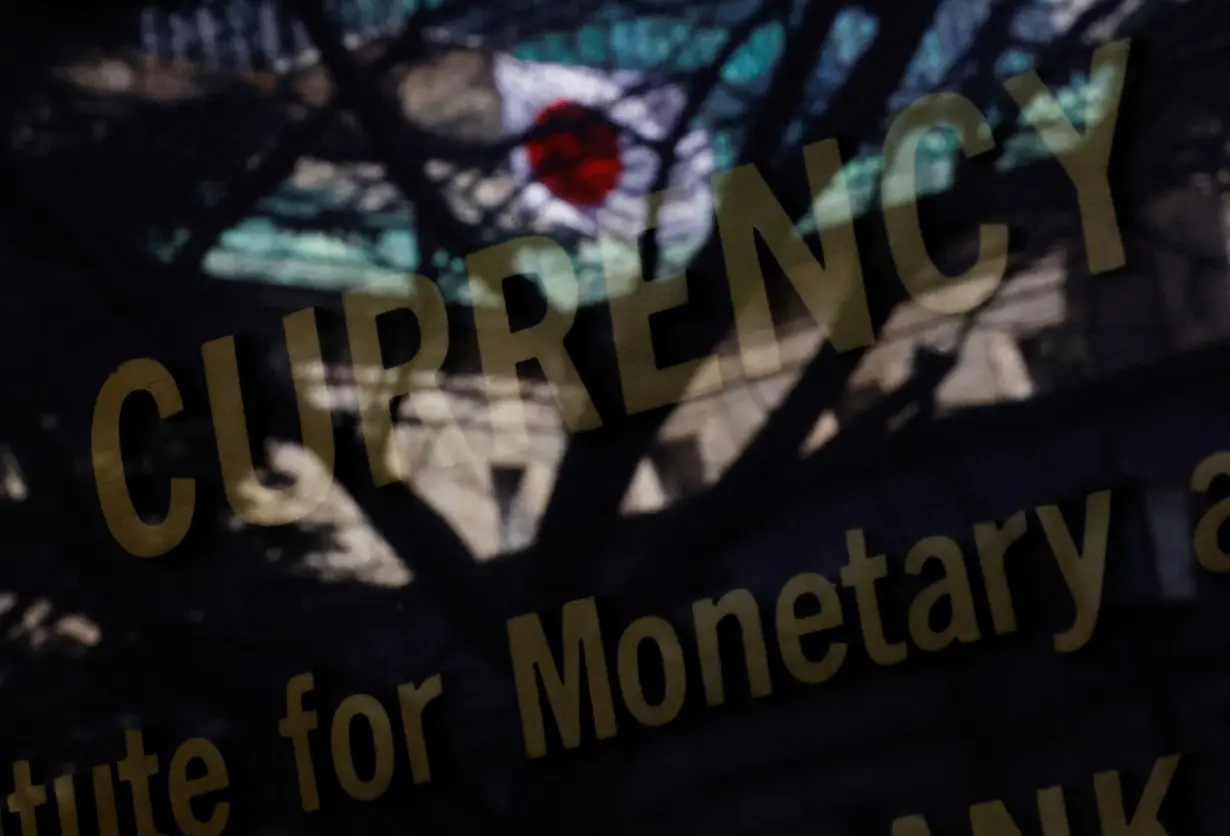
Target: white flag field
590	159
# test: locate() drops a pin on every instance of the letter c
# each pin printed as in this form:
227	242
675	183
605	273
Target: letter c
137	537
929	287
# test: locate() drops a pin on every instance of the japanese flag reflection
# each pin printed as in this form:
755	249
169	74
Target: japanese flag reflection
590	156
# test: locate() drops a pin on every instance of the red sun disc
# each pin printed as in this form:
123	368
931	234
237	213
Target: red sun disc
574	152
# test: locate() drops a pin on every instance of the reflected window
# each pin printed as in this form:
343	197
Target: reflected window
1168	515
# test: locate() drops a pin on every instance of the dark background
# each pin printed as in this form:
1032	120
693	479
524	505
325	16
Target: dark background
1126	395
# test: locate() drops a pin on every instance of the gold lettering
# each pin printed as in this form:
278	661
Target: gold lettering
104	800
1144	821
183	789
501	349
861	574
417	379
1083	571
413	702
370	709
663	635
993	542
706	614
991	818
66	805
930	288
633	300
26	798
1085	159
295	727
135	536
251	501
833	291
911	826
530	654
1205	541
791	628
136	769
954	586
1053	811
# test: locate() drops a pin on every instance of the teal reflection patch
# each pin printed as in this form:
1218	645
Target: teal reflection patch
280	246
